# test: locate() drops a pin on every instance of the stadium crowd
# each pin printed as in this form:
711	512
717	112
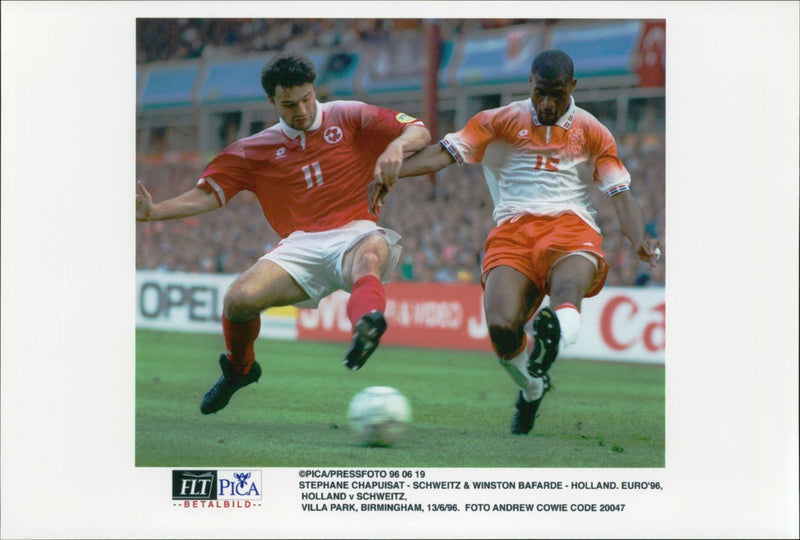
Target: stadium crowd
444	223
176	39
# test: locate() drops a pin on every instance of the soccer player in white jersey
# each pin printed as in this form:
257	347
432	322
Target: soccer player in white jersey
310	172
546	240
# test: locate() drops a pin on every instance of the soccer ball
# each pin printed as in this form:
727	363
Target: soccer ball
379	416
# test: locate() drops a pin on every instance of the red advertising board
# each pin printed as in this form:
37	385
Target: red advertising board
620	323
419	314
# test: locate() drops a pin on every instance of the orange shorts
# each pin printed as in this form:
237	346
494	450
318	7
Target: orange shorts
534	244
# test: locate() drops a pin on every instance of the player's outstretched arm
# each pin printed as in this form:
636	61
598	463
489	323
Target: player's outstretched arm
631	222
387	167
193	202
428	160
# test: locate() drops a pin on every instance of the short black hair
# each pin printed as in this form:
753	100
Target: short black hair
552	65
287	70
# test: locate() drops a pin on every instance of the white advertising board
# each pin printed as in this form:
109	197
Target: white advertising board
193	303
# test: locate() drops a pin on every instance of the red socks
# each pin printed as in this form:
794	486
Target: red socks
566	305
239	340
367	295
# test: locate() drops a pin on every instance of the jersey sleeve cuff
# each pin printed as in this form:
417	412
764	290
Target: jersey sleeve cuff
615	190
453	151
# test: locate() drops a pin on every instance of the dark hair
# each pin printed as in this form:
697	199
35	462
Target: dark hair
287	70
552	65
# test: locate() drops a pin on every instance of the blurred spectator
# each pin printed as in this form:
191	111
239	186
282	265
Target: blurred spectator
444	223
177	39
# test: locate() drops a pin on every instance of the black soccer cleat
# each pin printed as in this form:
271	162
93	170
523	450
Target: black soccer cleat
546	335
220	394
522	422
369	329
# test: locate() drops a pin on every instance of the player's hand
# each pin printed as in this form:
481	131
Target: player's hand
376	195
649	252
144	203
387	168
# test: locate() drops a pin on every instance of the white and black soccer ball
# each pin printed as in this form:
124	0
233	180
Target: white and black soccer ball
379	415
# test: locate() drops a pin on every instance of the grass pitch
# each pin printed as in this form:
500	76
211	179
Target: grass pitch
598	415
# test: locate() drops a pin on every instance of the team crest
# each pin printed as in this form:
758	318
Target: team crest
403	118
333	134
575	142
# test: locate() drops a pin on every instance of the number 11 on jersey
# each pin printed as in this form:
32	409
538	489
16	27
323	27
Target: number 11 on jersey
313	173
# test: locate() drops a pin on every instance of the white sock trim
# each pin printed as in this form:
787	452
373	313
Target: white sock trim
517	367
569	319
534	390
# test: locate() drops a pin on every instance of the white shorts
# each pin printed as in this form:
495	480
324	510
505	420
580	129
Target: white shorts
314	259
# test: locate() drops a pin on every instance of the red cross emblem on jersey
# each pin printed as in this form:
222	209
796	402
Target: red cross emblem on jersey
333	134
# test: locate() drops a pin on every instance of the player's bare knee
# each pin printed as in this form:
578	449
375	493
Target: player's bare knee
368	262
570	279
237	305
567	291
369	257
506	337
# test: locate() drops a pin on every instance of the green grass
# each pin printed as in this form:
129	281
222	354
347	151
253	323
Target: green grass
599	415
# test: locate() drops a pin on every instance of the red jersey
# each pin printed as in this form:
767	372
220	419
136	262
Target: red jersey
313	180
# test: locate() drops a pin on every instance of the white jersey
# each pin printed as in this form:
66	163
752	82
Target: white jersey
532	168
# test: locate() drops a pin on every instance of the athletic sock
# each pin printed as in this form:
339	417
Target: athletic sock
534	390
517	368
240	338
367	296
569	319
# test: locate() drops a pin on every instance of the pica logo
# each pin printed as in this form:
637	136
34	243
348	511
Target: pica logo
240	486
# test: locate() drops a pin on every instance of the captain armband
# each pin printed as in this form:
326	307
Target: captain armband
208	185
617	189
452	151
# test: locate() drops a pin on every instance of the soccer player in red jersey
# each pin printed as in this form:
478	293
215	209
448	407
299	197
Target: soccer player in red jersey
310	172
546	241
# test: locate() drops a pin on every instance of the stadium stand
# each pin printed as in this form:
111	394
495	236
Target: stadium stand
195	73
